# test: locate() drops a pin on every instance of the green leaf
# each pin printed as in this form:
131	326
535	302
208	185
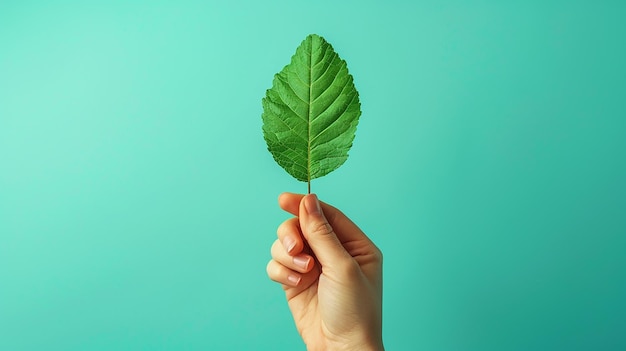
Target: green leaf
311	112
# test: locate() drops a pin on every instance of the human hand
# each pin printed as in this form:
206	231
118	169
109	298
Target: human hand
332	276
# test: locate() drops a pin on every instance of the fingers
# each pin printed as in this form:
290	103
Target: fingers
320	235
282	274
293	282
289	264
290	202
290	236
302	263
344	228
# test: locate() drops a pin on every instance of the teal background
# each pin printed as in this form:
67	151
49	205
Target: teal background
138	201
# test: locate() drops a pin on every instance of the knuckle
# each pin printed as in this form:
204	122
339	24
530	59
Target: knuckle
287	227
321	228
274	250
281	228
268	269
378	254
272	270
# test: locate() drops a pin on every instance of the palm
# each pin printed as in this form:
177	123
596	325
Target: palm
322	305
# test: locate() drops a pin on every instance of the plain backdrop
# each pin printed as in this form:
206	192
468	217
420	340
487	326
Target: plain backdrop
138	200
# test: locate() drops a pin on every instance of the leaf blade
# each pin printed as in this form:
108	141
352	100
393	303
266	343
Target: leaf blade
311	112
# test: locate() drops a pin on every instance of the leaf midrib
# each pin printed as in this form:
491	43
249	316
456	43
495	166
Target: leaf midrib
308	151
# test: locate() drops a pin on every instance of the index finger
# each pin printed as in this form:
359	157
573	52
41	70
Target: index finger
344	228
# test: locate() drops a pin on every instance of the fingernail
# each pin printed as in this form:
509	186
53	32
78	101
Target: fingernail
312	204
301	262
289	243
293	279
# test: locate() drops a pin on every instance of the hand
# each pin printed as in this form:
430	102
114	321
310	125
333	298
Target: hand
332	276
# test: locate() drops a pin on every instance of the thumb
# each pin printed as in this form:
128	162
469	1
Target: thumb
319	233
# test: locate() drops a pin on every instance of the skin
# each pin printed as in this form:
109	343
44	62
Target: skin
331	273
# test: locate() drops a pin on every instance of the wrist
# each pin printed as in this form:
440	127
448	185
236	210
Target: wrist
362	347
378	346
365	344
